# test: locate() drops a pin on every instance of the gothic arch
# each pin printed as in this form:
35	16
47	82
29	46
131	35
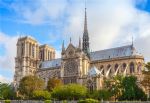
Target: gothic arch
115	68
29	49
33	50
124	65
132	67
90	85
139	67
108	68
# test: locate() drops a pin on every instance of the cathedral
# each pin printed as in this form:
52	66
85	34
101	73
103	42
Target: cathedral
77	64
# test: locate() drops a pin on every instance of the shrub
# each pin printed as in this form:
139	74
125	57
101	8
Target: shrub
39	94
88	101
69	92
7	101
47	101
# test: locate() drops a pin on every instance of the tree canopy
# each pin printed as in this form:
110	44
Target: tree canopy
6	91
52	83
131	91
146	80
29	84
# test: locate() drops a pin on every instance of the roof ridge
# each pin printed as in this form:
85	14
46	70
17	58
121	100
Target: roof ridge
111	48
52	60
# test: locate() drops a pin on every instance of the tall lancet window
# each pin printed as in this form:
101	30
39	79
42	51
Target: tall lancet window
131	67
30	49
33	51
22	49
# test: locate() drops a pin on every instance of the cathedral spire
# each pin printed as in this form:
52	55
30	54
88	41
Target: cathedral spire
85	43
85	23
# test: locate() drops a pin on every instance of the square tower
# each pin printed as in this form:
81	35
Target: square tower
27	58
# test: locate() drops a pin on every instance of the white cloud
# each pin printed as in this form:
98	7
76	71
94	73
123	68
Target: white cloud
7	60
110	24
142	44
58	54
43	11
5	79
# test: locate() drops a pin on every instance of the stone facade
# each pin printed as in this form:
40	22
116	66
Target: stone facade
29	56
77	64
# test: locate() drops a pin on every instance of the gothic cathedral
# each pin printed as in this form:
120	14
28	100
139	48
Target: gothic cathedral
77	64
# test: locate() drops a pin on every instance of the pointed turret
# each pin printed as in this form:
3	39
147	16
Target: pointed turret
85	43
63	47
79	42
70	39
132	47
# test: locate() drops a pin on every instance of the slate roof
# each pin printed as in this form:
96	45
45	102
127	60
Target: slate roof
118	52
123	51
51	64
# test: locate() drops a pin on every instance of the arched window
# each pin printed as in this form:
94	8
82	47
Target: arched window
33	51
90	85
30	49
22	49
116	67
43	55
40	55
131	67
123	67
108	67
139	67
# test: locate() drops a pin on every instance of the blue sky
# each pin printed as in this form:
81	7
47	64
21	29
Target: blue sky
111	24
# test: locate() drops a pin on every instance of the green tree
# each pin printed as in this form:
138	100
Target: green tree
114	86
6	91
52	83
131	91
29	84
146	80
70	91
40	94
